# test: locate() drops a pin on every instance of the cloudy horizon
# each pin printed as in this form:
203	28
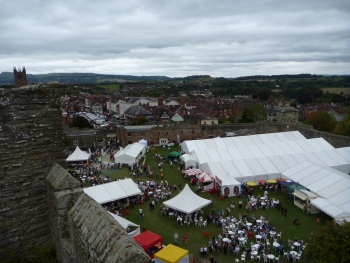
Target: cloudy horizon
176	38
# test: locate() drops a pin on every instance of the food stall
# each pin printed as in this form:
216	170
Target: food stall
303	198
150	242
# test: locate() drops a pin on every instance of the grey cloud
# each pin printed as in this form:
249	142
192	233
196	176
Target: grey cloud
176	37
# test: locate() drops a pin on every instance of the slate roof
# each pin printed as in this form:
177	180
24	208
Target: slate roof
136	110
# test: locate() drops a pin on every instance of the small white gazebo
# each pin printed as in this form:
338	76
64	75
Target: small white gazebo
187	201
78	156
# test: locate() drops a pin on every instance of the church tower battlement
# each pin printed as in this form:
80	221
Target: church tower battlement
20	77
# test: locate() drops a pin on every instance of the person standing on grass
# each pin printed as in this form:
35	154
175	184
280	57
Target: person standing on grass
176	237
184	239
140	211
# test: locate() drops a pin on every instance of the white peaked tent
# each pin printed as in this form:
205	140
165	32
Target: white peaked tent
187	201
78	156
144	142
188	160
129	154
126	223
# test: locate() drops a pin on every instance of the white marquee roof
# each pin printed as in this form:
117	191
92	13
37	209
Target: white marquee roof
187	201
109	192
78	155
129	154
270	167
330	209
332	187
189	146
205	155
313	163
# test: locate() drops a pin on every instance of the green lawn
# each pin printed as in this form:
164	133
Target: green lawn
115	87
166	227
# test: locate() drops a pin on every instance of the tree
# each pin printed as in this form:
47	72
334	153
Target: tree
253	113
343	128
141	120
264	94
329	244
321	121
304	97
80	122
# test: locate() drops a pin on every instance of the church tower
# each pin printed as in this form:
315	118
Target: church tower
20	77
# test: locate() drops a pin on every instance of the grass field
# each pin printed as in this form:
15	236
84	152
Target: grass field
114	87
336	90
166	227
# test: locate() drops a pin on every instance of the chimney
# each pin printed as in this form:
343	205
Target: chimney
160	102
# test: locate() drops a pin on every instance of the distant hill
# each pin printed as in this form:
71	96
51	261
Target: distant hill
6	78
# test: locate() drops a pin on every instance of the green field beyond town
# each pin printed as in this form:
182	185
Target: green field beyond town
166	227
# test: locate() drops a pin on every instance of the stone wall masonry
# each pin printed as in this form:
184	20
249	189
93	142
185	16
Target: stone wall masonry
81	229
31	140
336	141
97	237
189	131
63	191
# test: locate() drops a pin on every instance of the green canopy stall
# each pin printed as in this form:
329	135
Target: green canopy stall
173	155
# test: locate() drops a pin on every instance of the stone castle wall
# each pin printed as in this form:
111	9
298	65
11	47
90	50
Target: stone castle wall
31	140
188	131
81	229
40	203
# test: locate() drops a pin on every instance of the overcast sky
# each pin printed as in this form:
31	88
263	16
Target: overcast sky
224	38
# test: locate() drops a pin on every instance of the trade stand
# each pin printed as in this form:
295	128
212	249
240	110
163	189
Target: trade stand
172	254
150	242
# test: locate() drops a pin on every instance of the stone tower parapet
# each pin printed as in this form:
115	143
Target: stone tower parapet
20	76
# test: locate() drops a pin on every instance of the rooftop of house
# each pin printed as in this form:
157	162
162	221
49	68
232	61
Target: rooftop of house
285	109
136	110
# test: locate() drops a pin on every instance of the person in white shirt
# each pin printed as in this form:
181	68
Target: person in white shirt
140	211
176	237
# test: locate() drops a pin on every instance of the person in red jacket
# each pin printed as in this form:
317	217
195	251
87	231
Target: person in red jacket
184	239
250	234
